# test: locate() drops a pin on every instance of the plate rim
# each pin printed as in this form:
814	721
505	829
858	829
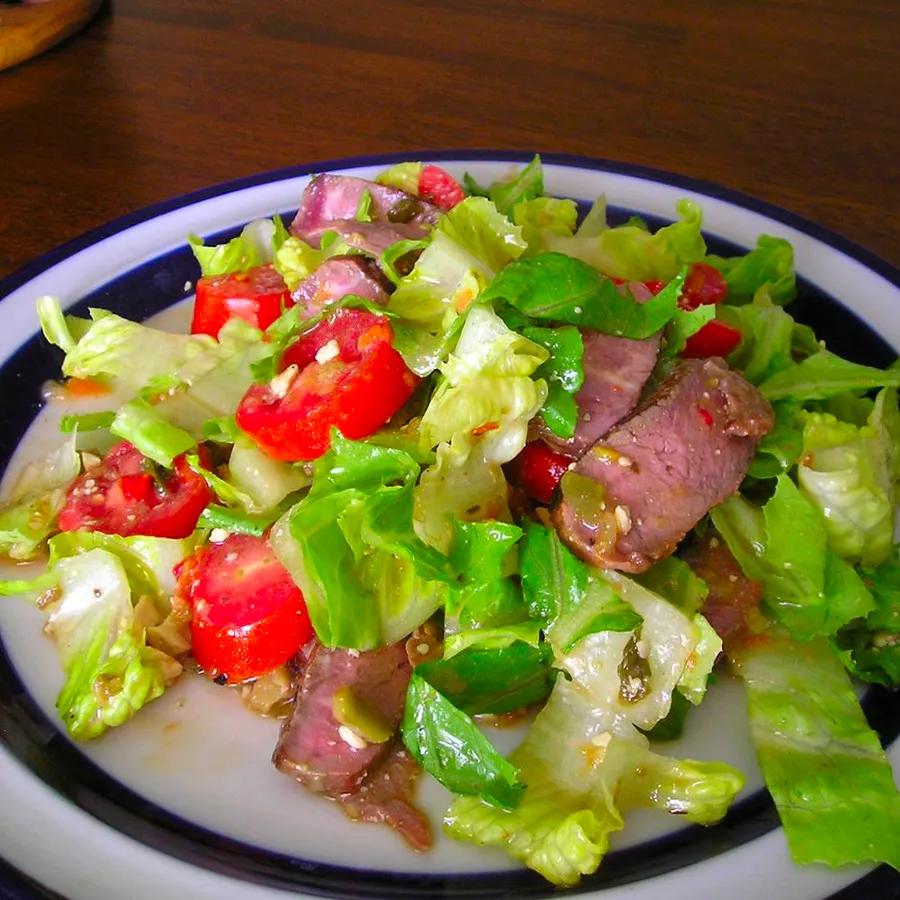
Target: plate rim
832	239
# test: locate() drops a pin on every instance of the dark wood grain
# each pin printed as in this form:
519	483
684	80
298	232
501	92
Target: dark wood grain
795	102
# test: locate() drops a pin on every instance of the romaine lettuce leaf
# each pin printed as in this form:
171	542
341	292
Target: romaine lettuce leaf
448	745
478	418
823	375
28	515
256	245
350	546
559	288
111	673
846	472
632	252
468	246
770	265
824	767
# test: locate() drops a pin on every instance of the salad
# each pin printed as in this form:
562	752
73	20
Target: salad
439	456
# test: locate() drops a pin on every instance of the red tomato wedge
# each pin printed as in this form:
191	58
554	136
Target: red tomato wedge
538	469
715	338
247	615
703	285
439	187
120	496
257	296
342	374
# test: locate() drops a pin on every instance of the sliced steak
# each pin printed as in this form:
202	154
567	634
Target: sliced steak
337	277
615	372
733	599
385	797
311	747
634	494
331	198
375	237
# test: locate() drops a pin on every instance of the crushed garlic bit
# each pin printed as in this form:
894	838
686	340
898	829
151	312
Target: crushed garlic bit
282	382
351	738
328	351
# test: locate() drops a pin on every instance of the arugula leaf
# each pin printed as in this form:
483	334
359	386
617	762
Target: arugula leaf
448	745
563	289
492	680
564	373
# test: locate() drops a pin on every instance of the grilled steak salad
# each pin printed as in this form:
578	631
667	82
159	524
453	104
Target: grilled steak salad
439	453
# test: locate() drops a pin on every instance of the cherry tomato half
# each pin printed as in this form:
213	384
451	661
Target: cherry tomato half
247	615
439	187
715	338
342	374
703	285
538	469
121	496
257	296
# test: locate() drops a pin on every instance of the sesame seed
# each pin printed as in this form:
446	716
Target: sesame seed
626	462
218	535
187	286
422	649
578	310
733	579
623	519
714	542
231	557
351	738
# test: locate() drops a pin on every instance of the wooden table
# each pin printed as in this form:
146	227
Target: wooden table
793	102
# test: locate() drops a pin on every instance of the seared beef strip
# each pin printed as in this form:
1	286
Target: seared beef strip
337	277
636	493
312	747
386	797
332	198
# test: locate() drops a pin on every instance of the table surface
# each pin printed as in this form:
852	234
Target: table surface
792	102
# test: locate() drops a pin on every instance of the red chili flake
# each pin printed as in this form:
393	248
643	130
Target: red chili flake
706	415
485	428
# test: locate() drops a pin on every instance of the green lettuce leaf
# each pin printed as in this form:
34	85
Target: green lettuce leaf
478	418
468	246
846	472
350	546
632	252
295	260
870	647
823	375
770	265
28	515
159	440
777	452
824	767
492	680
519	187
543	218
558	288
256	245
404	176
111	673
564	373
448	745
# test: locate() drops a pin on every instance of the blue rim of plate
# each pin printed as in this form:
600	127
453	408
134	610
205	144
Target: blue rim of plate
36	741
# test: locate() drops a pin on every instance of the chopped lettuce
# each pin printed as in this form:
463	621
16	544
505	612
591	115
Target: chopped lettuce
846	472
558	288
824	375
448	745
140	424
295	260
542	218
256	245
784	545
870	647
264	481
28	515
111	672
824	767
583	759
770	265
519	187
632	252
350	546
404	176
468	246
478	419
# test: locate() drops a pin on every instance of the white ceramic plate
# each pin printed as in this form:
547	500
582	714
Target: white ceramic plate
183	799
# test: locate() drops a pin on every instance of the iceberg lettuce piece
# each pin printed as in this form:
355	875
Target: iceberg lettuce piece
264	481
823	765
478	419
583	760
111	672
543	218
846	472
28	515
295	260
634	253
468	246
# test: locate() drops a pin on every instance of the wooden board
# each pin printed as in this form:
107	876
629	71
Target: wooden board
31	28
